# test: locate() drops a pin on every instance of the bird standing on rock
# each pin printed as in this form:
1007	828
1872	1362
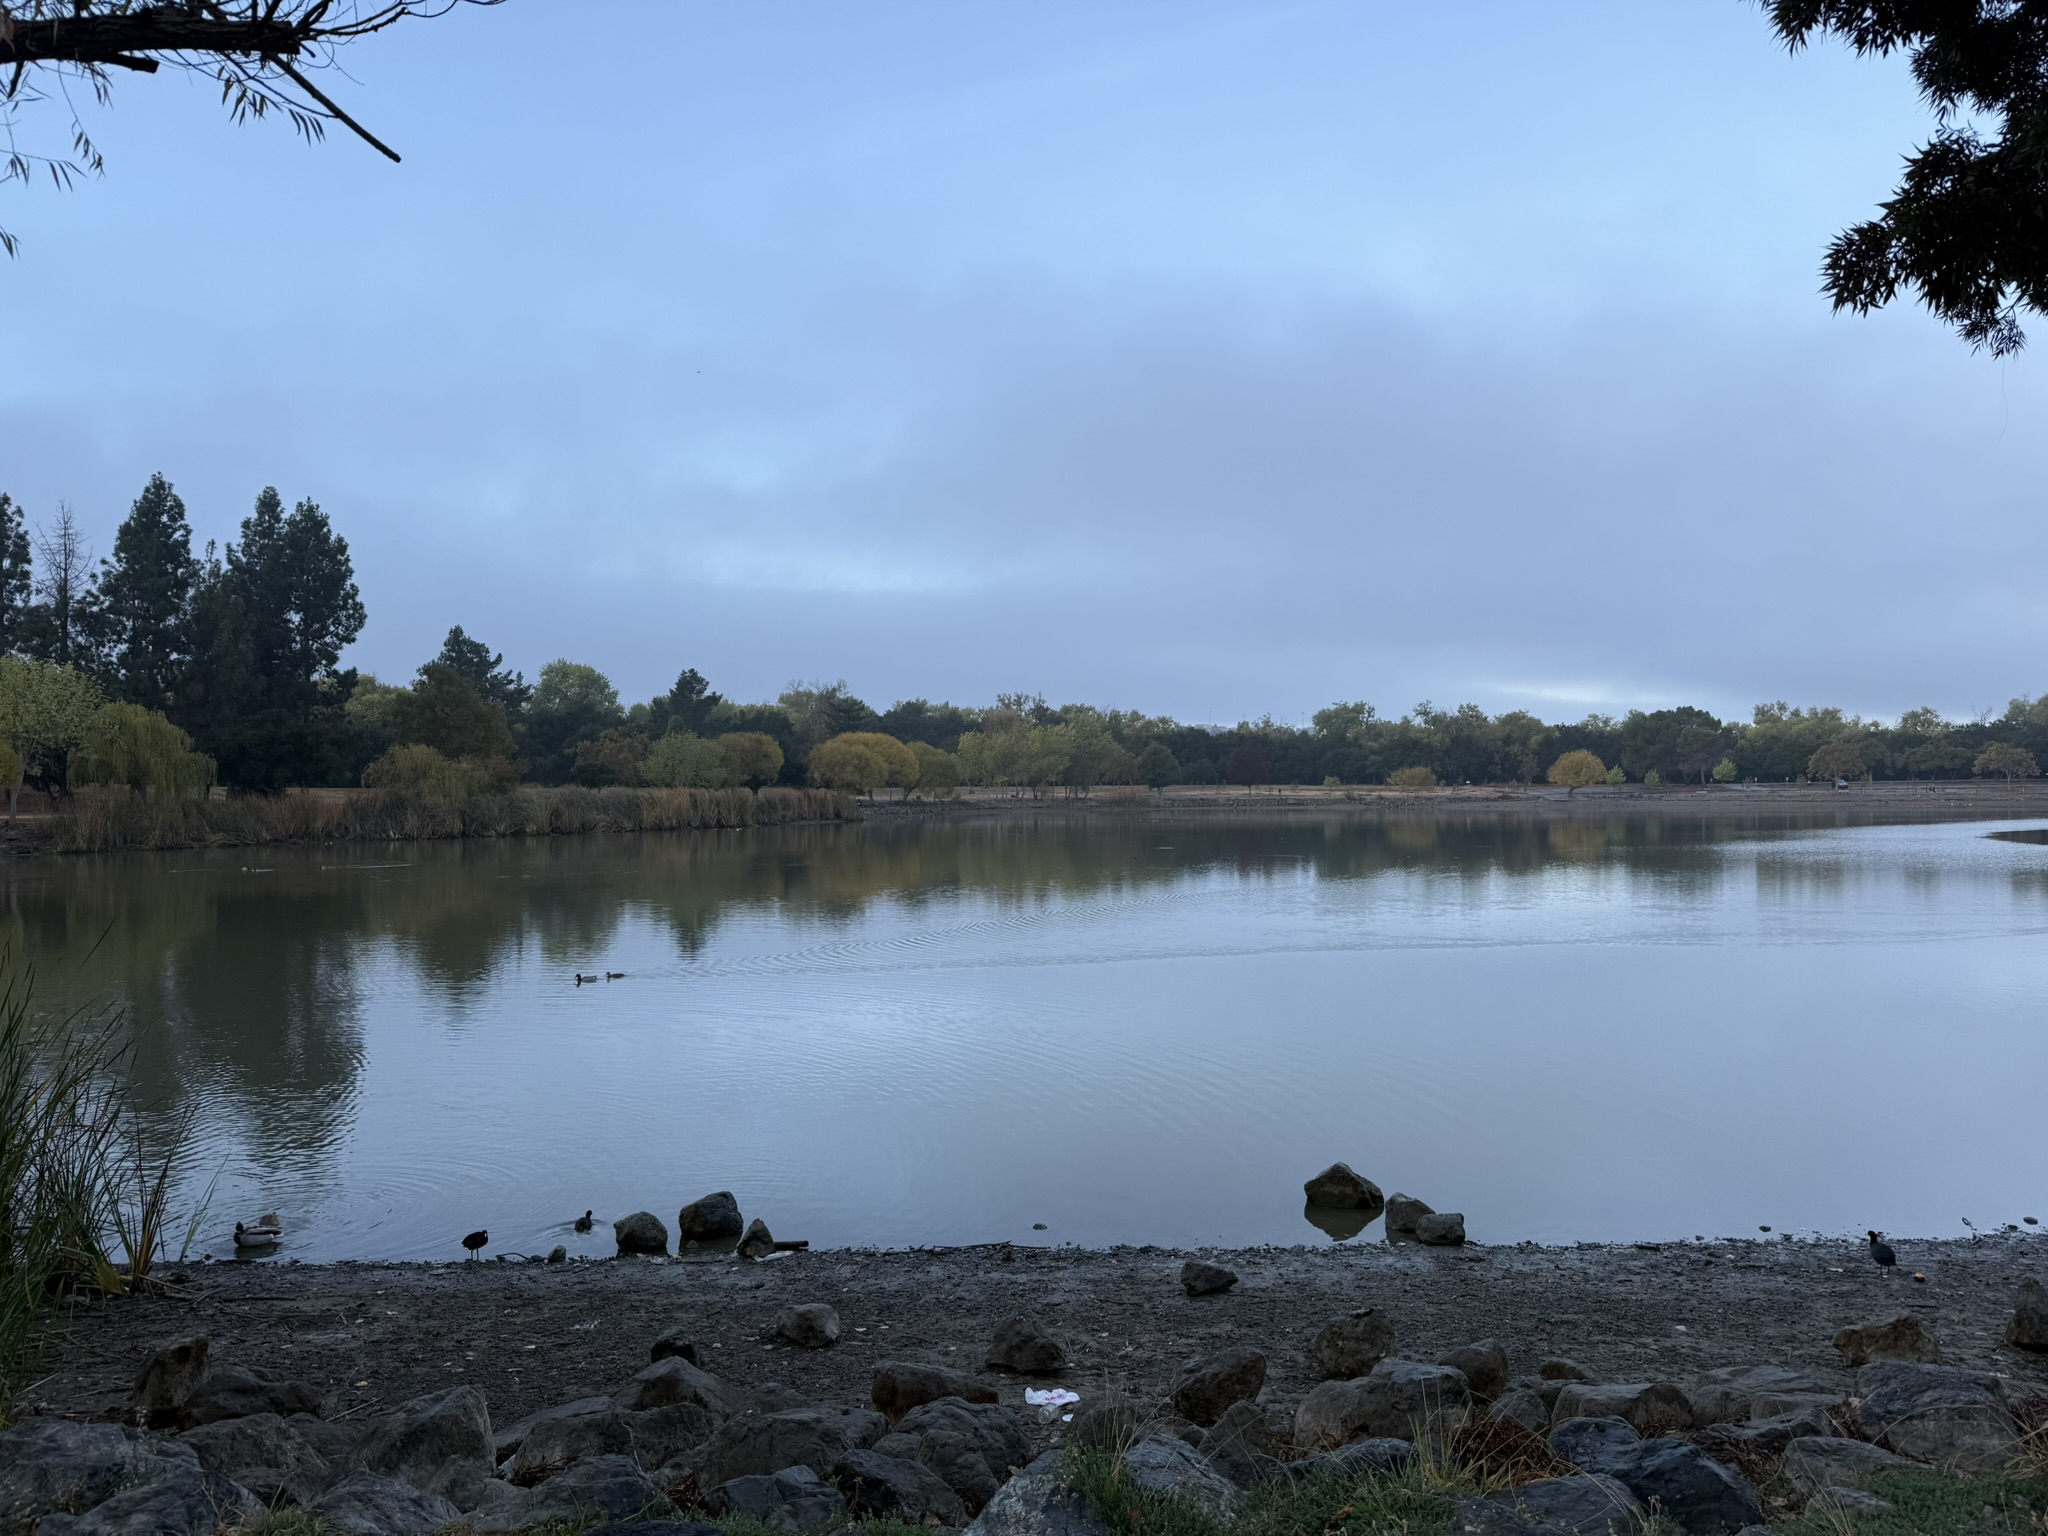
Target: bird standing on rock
475	1241
1881	1252
584	1222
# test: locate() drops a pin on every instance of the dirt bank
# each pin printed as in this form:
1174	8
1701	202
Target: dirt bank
370	1335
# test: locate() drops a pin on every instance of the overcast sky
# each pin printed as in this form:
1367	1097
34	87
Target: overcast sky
1208	359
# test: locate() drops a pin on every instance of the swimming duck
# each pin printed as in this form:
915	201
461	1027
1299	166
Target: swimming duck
585	1222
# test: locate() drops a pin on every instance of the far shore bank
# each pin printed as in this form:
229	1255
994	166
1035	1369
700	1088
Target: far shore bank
370	1335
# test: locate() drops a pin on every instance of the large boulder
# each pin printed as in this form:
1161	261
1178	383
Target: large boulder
168	1377
506	1439
1521	1407
641	1232
1651	1407
1584	1505
896	1488
810	1325
364	1504
1208	1386
238	1392
1814	1463
660	1435
1168	1464
1350	1462
1903	1337
1941	1414
1396	1399
185	1502
762	1444
53	1466
2029	1326
440	1443
672	1379
794	1499
1676	1477
1338	1188
555	1444
265	1454
973	1447
900	1385
1200	1278
713	1219
600	1489
1485	1365
1403	1212
1769	1436
1037	1502
1024	1346
1353	1344
1588	1443
1729	1394
1242	1444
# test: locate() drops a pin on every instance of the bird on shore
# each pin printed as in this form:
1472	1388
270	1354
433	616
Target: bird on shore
475	1241
584	1222
1881	1253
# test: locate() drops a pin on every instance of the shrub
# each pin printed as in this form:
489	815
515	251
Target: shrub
1412	778
125	744
422	771
752	758
938	773
683	761
1616	776
1653	778
1577	770
610	757
863	761
1724	771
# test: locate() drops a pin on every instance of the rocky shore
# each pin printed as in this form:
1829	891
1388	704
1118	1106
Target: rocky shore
1726	1383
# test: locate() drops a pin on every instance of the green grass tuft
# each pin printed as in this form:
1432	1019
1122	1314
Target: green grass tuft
1933	1503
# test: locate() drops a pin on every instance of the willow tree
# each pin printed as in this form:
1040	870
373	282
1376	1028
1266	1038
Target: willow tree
265	55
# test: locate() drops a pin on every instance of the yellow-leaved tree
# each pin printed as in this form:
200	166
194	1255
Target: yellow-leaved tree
1577	769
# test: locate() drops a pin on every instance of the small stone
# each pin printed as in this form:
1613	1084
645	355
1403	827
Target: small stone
1202	1279
1023	1346
1485	1365
1339	1188
1403	1211
709	1220
558	1254
1441	1229
2029	1326
1208	1386
759	1241
1352	1344
813	1325
641	1232
1904	1337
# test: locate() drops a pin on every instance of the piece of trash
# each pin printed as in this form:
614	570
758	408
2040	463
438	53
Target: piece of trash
1050	1397
1066	1418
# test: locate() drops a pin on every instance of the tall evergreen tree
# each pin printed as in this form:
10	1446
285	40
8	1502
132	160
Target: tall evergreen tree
146	588
297	586
484	670
15	576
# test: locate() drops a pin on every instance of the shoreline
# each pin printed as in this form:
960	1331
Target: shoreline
367	1335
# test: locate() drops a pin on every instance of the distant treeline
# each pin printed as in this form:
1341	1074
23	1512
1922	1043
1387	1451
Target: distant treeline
169	671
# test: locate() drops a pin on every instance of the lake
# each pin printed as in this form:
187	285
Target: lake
897	1034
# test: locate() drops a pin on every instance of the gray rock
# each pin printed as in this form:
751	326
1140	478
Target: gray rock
1814	1463
1208	1386
602	1488
1728	1395
1353	1344
235	1393
673	1346
812	1325
507	1440
1108	1424
762	1444
1441	1229
2029	1326
184	1502
168	1377
1037	1502
52	1466
1242	1445
672	1379
901	1385
794	1499
336	1442
1585	1505
1485	1365
555	1444
1770	1436
715	1218
1674	1477
1651	1407
1348	1463
1168	1464
1903	1337
660	1435
895	1488
1558	1368
265	1454
1403	1212
364	1504
1398	1398
1941	1414
440	1443
759	1242
1521	1406
972	1447
1588	1443
641	1232
1021	1345
1338	1188
1198	1278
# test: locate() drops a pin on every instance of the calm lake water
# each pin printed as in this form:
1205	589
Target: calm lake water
900	1035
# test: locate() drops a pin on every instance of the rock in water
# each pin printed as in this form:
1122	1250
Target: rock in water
900	1386
641	1232
1207	1387
813	1325
1338	1188
2029	1326
168	1377
1403	1211
712	1219
759	1241
1352	1344
1904	1337
1023	1346
1441	1229
1200	1279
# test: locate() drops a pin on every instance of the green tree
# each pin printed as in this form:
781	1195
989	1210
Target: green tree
617	756
938	771
683	761
10	777
685	707
1616	775
820	711
572	703
1841	759
1724	771
145	588
1577	769
863	761
1412	778
2003	757
43	713
444	711
418	769
485	671
1157	766
125	744
751	758
374	709
16	576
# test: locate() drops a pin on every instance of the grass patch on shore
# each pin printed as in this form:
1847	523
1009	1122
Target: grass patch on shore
1421	1500
1934	1503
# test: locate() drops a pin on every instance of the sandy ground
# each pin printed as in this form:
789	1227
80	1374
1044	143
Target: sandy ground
369	1335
